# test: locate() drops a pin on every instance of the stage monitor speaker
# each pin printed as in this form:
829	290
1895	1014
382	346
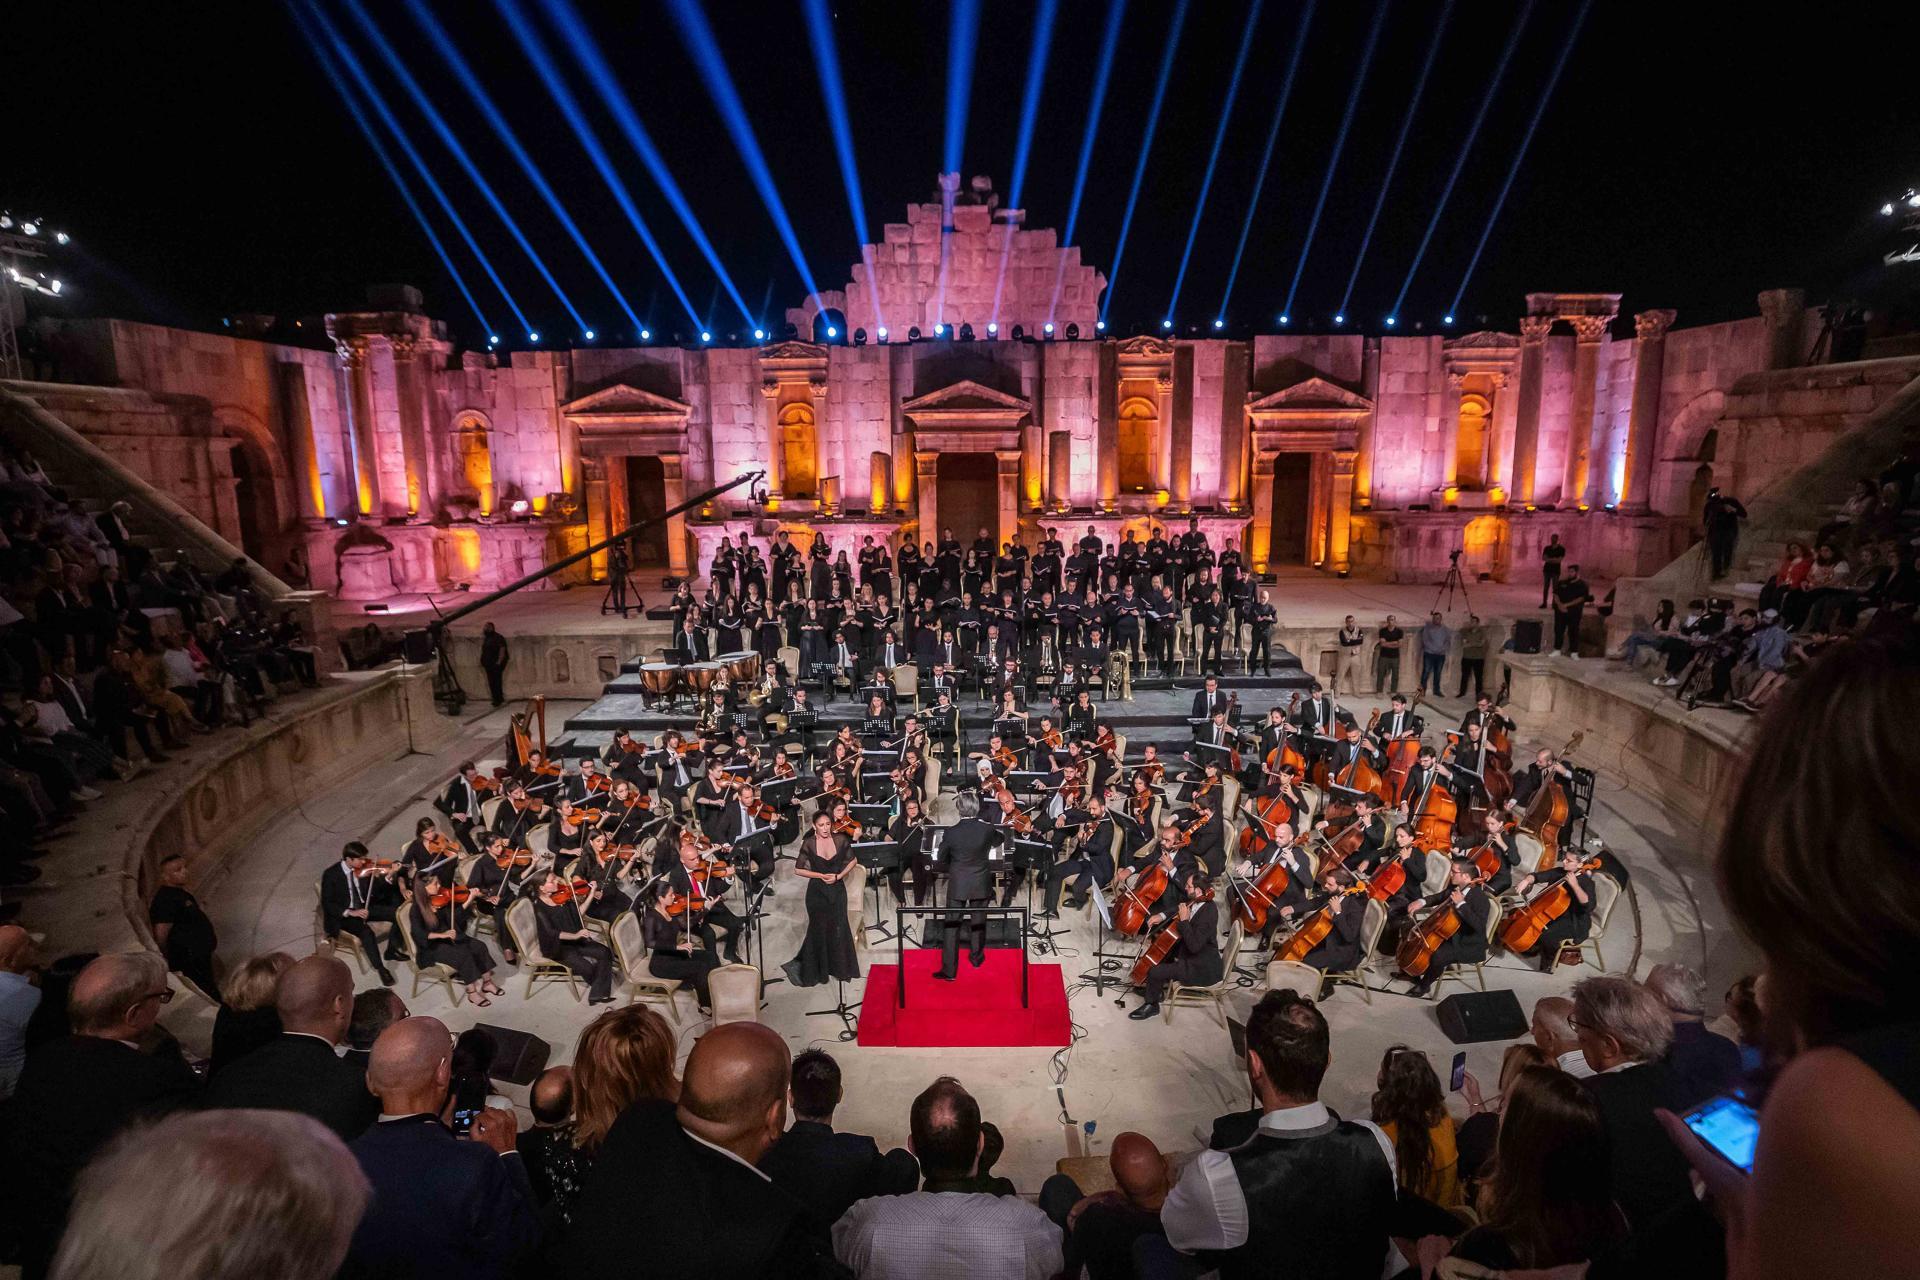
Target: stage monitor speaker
1474	1016
1526	635
1002	931
417	646
521	1056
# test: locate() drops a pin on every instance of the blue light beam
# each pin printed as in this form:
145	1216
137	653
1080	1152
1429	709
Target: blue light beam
459	153
1109	41
1266	154
380	151
1393	160
536	50
698	36
1146	148
1213	157
826	61
1043	20
963	34
586	52
1460	160
1540	109
1339	145
345	56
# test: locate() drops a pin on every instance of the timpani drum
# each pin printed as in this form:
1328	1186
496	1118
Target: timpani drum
659	678
701	675
743	668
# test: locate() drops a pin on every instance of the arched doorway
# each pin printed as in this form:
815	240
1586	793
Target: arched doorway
799	451
1476	415
1139	422
475	451
253	496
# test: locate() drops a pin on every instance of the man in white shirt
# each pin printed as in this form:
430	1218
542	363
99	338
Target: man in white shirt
947	1230
1553	1032
1309	1195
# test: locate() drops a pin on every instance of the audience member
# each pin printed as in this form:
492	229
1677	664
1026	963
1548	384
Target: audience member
373	1012
1743	1022
550	1102
824	1170
1101	1229
947	1230
80	1090
1475	1138
182	929
1625	1033
299	1070
19	997
1553	1032
1701	1062
1310	1195
1411	1110
229	1195
684	1179
248	1017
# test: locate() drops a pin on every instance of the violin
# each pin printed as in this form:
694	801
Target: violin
1103	739
375	867
766	813
1163	943
1005	758
579	816
483	784
1053	738
598	782
783	766
453	895
579	890
440	845
513	858
547	770
847	826
1153	770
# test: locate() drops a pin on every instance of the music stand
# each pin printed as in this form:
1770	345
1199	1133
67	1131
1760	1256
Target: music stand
873	817
878	856
1104	972
849	1024
1028	856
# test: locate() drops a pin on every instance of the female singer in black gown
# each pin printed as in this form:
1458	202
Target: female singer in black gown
826	953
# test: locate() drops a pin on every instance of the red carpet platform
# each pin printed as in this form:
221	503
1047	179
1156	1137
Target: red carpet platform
982	1008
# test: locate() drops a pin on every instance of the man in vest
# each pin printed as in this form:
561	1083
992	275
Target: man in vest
1308	1196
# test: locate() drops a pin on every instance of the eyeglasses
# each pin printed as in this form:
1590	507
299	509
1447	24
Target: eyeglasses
164	996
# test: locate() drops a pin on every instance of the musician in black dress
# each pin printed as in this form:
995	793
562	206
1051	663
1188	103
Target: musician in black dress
610	874
673	949
1413	869
690	879
1576	922
1196	959
564	937
499	875
826	953
440	923
1493	835
907	831
1469	944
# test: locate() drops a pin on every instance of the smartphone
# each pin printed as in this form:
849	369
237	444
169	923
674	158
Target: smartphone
1459	1071
463	1120
1730	1127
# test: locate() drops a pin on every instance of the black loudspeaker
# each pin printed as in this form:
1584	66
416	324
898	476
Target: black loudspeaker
417	646
521	1056
1526	635
1474	1016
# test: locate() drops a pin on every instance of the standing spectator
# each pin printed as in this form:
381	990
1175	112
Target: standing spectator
1412	1111
441	1205
1346	671
248	1017
80	1090
19	997
1101	1228
1570	598
374	1010
230	1196
1721	519
946	1230
1550	557
494	657
1473	656
1702	1063
548	1145
182	929
1386	658
1310	1195
300	1069
1625	1033
825	1170
1436	641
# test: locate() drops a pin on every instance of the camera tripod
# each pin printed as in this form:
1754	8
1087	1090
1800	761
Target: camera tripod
622	595
1454	581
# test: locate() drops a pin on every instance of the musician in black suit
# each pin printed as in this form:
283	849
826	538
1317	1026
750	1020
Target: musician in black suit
689	640
1260	617
964	848
1196	959
461	803
1341	950
1207	701
299	1071
1528	781
1486	716
352	896
1399	721
1571	925
825	1170
707	915
1469	944
1316	721
1210	620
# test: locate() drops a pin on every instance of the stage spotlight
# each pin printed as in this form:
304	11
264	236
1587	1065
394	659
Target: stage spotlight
1447	319
1286	319
1339	318
1166	324
706	336
1073	332
833	331
6	220
31	228
1019	333
993	330
520	506
966	332
533	335
859	337
1047	328
646	335
1390	322
913	333
1886	210
759	335
588	335
940	331
493	339
53	286
1100	326
61	237
882	332
1218	323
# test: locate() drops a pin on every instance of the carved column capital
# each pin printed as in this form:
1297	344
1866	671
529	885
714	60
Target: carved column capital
770	388
1456	380
1588	329
1653	324
405	346
1163	381
1499	378
352	351
818	388
1534	329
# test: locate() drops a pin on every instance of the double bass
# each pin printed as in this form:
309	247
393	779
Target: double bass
1359	775
1314	929
1434	817
1163	943
1402	754
1549	809
1520	932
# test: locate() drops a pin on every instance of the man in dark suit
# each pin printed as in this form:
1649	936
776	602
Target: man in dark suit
1624	1034
77	1092
1702	1063
441	1205
300	1071
665	1171
824	1170
964	848
1208	700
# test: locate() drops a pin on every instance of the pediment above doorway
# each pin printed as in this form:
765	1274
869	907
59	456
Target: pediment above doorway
624	419
1309	416
967	417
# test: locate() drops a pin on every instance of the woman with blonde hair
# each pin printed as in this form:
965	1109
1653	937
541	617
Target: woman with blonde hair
247	1017
624	1056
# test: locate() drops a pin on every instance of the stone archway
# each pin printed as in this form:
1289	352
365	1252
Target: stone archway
262	498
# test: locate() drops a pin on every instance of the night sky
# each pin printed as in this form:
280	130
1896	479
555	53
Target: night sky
1691	155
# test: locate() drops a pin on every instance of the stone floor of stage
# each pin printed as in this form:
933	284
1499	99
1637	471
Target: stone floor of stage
1166	1081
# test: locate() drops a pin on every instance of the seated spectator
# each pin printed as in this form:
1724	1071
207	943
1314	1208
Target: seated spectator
182	928
623	1057
1743	1022
442	1206
1789	577
1310	1194
1763	668
1101	1229
1829	576
1859	508
373	1012
1553	1031
1651	634
1411	1110
667	1172
1625	1034
1825	801
247	1017
1477	1132
1548	1203
230	1195
550	1102
947	1229
77	1091
825	1170
194	680
19	997
1702	1064
299	1070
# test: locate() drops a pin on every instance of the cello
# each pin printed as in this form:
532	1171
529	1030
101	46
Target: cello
1359	775
1402	753
1253	904
1163	943
1314	929
1415	954
1434	817
1547	812
1133	904
1521	932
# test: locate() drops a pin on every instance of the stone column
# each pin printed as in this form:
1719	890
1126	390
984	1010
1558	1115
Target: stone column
308	487
673	475
879	482
1032	465
566	432
902	429
1009	489
1106	440
1526	427
1260	535
1450	430
593	475
926	466
770	396
1643	427
1489	473
1588	333
1233	425
1060	467
413	427
1785	311
1340	511
1183	428
1163	427
366	462
1363	434
843	469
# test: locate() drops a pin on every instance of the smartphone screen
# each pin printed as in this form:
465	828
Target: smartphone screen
1730	1127
463	1121
1459	1070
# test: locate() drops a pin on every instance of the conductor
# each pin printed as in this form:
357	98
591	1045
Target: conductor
969	883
